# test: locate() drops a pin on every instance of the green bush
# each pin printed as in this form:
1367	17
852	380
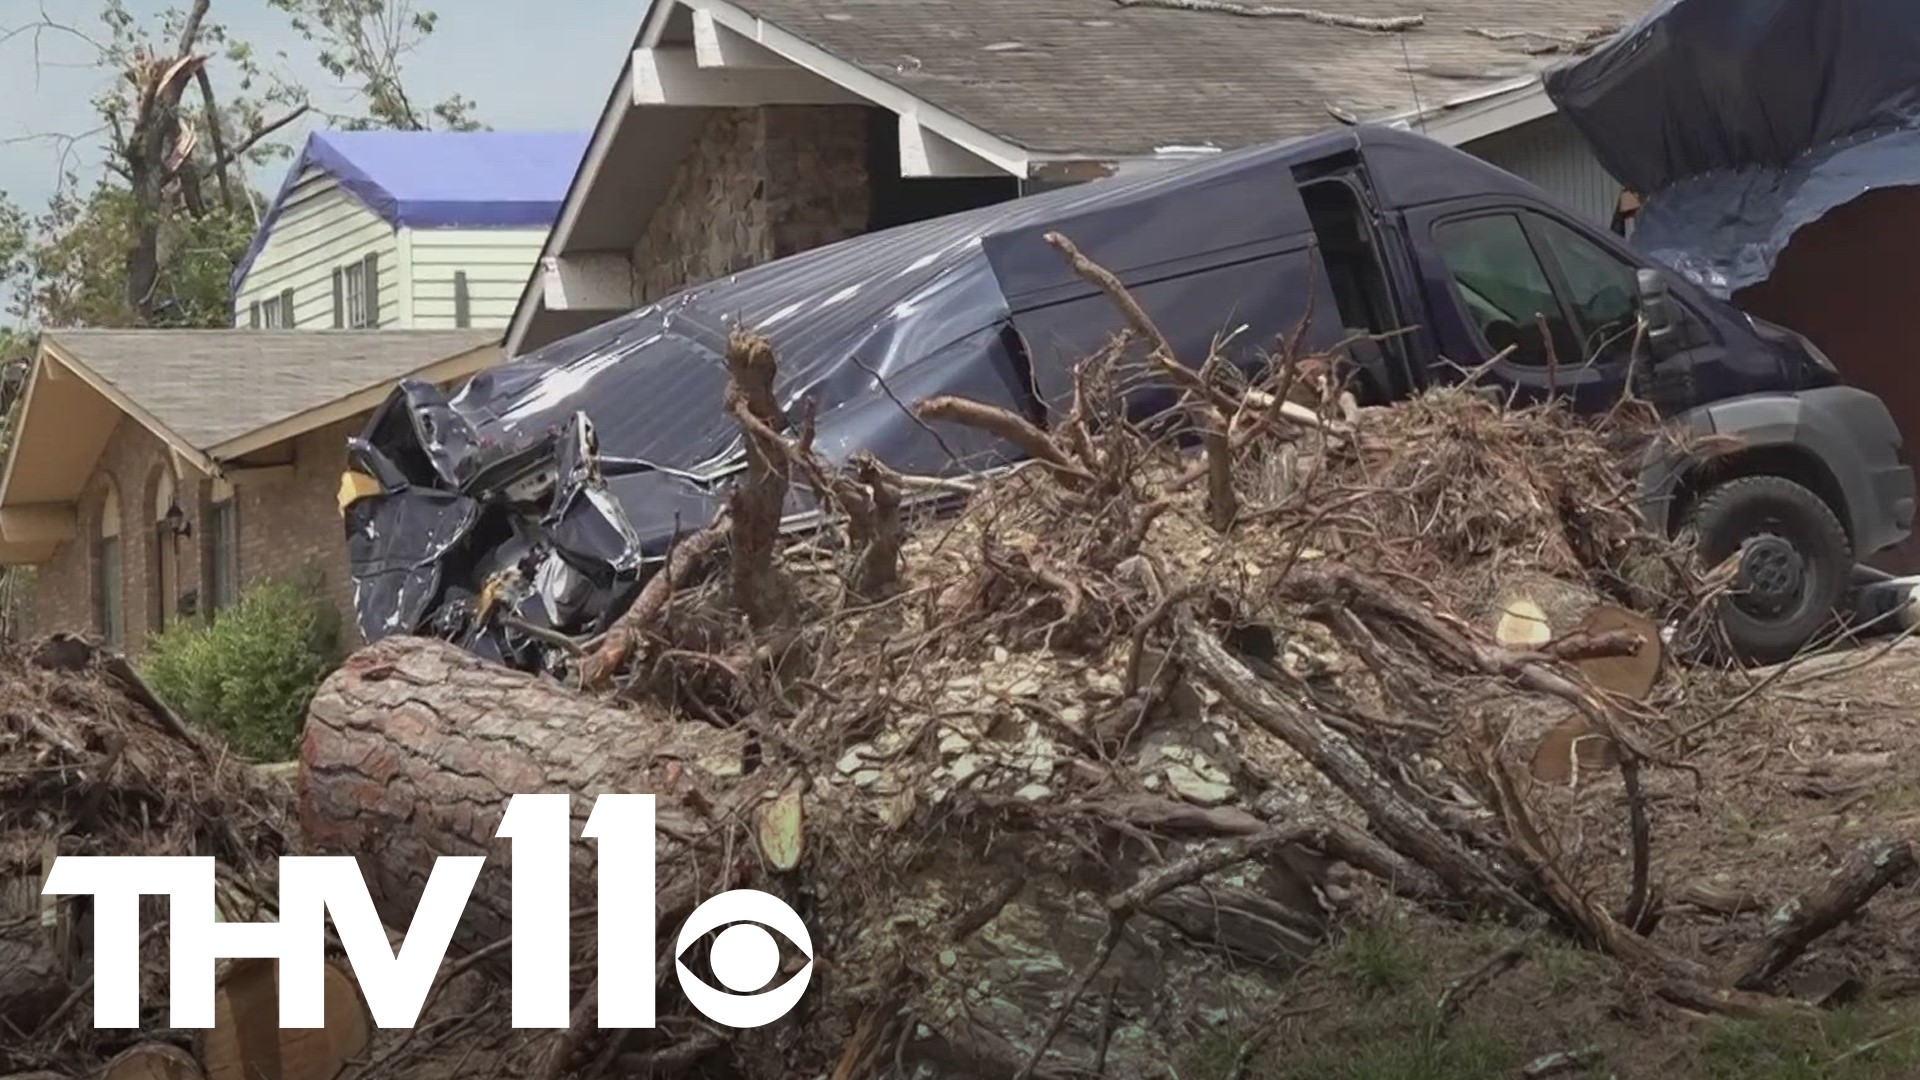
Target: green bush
247	676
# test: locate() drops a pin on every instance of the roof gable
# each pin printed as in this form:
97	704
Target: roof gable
210	396
210	387
452	179
436	179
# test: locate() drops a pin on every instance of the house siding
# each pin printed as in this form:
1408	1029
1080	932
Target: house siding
758	184
1551	154
497	263
321	226
285	526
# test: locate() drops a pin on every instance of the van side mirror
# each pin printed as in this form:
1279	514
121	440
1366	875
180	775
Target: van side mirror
1656	307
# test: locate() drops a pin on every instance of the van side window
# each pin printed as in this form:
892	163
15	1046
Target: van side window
1505	289
1600	289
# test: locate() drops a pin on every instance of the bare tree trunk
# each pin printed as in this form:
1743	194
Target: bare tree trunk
414	747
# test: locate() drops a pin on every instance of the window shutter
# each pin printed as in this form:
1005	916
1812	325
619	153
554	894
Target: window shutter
286	308
253	315
339	300
373	289
462	302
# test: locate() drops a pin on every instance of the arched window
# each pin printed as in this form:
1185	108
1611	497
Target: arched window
169	524
107	580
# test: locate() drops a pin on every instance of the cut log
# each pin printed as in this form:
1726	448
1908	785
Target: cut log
1522	625
1524	610
1572	751
248	1043
153	1061
1632	675
413	748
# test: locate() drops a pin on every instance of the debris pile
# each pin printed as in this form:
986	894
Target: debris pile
91	763
1061	779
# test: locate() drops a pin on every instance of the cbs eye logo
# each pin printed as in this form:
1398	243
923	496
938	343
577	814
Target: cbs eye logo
744	957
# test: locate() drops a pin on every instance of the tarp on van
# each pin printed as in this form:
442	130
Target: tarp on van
562	476
570	468
1740	121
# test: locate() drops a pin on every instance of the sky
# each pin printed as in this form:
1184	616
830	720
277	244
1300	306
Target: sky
526	64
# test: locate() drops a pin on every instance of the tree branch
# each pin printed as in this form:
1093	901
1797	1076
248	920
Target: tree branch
260	133
190	33
214	133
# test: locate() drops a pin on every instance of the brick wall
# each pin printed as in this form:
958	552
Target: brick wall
285	525
1843	282
756	185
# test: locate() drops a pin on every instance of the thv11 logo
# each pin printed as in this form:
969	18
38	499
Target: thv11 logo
744	956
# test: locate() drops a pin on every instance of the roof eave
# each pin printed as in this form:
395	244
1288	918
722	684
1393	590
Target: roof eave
187	452
1470	117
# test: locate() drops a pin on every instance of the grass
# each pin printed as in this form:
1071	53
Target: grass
1372	1013
1389	1030
1860	1043
1403	1044
1396	1038
1379	957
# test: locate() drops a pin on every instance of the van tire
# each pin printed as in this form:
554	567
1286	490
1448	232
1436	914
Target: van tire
1796	563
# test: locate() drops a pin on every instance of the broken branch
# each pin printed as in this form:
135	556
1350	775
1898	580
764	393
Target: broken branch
1801	920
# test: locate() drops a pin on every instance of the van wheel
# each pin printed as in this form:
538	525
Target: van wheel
1795	563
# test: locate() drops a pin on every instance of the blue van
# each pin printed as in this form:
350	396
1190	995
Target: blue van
579	463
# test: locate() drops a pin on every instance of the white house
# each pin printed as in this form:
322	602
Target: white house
410	230
739	131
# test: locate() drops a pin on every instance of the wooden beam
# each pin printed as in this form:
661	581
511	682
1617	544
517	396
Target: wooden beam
928	153
38	524
716	46
673	76
12	554
259	474
589	281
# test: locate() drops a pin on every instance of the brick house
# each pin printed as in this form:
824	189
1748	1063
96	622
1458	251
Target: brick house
740	131
154	474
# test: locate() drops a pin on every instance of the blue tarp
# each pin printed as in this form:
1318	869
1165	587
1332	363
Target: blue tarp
439	179
1741	121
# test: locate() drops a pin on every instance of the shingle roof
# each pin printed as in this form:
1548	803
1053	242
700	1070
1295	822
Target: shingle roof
1103	77
211	386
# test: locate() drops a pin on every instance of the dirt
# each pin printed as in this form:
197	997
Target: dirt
1772	798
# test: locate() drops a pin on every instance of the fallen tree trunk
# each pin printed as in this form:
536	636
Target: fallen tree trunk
414	747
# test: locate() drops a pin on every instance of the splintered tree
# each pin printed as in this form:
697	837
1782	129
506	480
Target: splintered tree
153	241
